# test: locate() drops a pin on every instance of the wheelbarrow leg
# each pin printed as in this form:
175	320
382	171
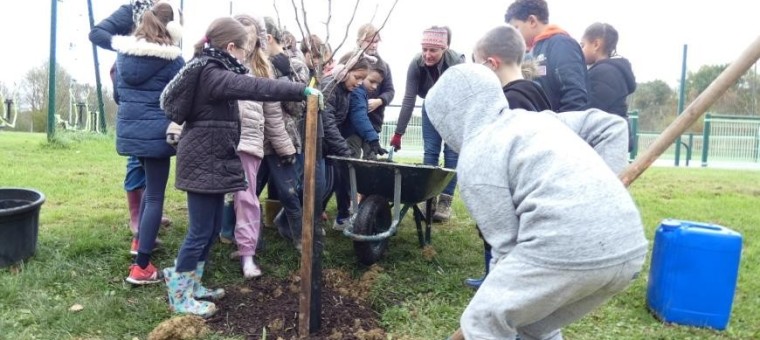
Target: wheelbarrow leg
418	217
426	217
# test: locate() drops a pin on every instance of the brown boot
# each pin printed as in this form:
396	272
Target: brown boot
271	208
133	202
443	209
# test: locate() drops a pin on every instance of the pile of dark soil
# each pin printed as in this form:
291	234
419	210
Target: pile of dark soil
270	306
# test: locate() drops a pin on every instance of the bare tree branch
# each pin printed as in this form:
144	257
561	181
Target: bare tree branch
331	86
295	10
274	4
377	5
327	23
387	16
348	27
307	38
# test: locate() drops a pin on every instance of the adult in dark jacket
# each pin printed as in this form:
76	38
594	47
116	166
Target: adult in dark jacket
561	69
145	64
423	72
204	97
610	77
122	22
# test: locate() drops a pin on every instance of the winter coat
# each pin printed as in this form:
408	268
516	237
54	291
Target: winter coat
333	116
419	81
260	121
143	70
527	95
204	96
358	122
610	81
292	69
538	192
118	23
385	92
561	70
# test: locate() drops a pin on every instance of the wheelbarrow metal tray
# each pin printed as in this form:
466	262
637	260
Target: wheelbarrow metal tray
418	182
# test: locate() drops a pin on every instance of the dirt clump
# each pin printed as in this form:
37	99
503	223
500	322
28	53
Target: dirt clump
184	327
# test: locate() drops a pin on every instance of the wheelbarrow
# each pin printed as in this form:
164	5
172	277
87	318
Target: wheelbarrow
390	190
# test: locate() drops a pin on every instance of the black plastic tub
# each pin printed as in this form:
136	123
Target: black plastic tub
19	223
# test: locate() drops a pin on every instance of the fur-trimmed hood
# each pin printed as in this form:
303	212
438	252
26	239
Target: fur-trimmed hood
139	61
130	45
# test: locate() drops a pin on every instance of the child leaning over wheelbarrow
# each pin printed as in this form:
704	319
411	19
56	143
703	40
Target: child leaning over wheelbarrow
565	233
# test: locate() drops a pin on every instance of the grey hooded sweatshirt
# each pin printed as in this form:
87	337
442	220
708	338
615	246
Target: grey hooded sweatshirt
538	192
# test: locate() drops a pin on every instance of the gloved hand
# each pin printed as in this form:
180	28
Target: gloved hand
173	131
288	159
172	139
396	141
376	148
310	91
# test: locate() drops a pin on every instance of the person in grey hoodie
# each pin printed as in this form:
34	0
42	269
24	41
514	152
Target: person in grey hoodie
565	233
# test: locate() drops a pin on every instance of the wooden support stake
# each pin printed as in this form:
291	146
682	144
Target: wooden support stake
307	233
696	109
693	112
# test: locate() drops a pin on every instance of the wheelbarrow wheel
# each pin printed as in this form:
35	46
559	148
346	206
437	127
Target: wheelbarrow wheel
373	217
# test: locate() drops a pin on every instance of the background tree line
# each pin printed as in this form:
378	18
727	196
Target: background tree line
31	97
657	103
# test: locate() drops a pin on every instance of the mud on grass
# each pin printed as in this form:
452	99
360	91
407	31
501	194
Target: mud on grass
270	306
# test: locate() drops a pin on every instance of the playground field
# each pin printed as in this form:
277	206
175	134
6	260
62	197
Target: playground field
82	254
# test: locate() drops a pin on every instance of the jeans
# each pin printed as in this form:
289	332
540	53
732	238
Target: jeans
135	177
152	204
291	227
284	183
205	221
432	149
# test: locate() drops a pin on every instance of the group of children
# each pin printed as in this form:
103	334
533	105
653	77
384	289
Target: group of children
233	115
536	165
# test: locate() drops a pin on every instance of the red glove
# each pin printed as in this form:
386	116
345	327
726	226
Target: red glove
396	141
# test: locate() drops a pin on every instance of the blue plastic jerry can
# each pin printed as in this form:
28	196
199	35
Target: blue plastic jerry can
692	277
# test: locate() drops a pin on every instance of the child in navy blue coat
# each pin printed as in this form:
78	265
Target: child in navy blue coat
145	64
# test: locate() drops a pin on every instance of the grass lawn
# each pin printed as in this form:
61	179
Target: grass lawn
82	253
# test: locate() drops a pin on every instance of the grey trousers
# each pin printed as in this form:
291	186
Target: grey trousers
359	149
536	302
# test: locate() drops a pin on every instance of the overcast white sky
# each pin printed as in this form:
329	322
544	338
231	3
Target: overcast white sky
652	32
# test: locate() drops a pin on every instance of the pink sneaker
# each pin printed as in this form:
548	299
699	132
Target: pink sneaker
139	276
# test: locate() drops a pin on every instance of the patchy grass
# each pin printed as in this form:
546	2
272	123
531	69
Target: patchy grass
82	253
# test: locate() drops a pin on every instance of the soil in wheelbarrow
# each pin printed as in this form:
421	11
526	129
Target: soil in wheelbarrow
272	304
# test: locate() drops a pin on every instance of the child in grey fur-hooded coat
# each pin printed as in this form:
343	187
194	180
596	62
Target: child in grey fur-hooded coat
565	233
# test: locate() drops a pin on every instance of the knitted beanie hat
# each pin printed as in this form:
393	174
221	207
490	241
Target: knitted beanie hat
139	7
435	37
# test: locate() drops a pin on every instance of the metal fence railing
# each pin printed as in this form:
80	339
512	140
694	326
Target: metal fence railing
723	139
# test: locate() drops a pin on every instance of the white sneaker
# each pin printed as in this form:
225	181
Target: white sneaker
250	269
341	223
